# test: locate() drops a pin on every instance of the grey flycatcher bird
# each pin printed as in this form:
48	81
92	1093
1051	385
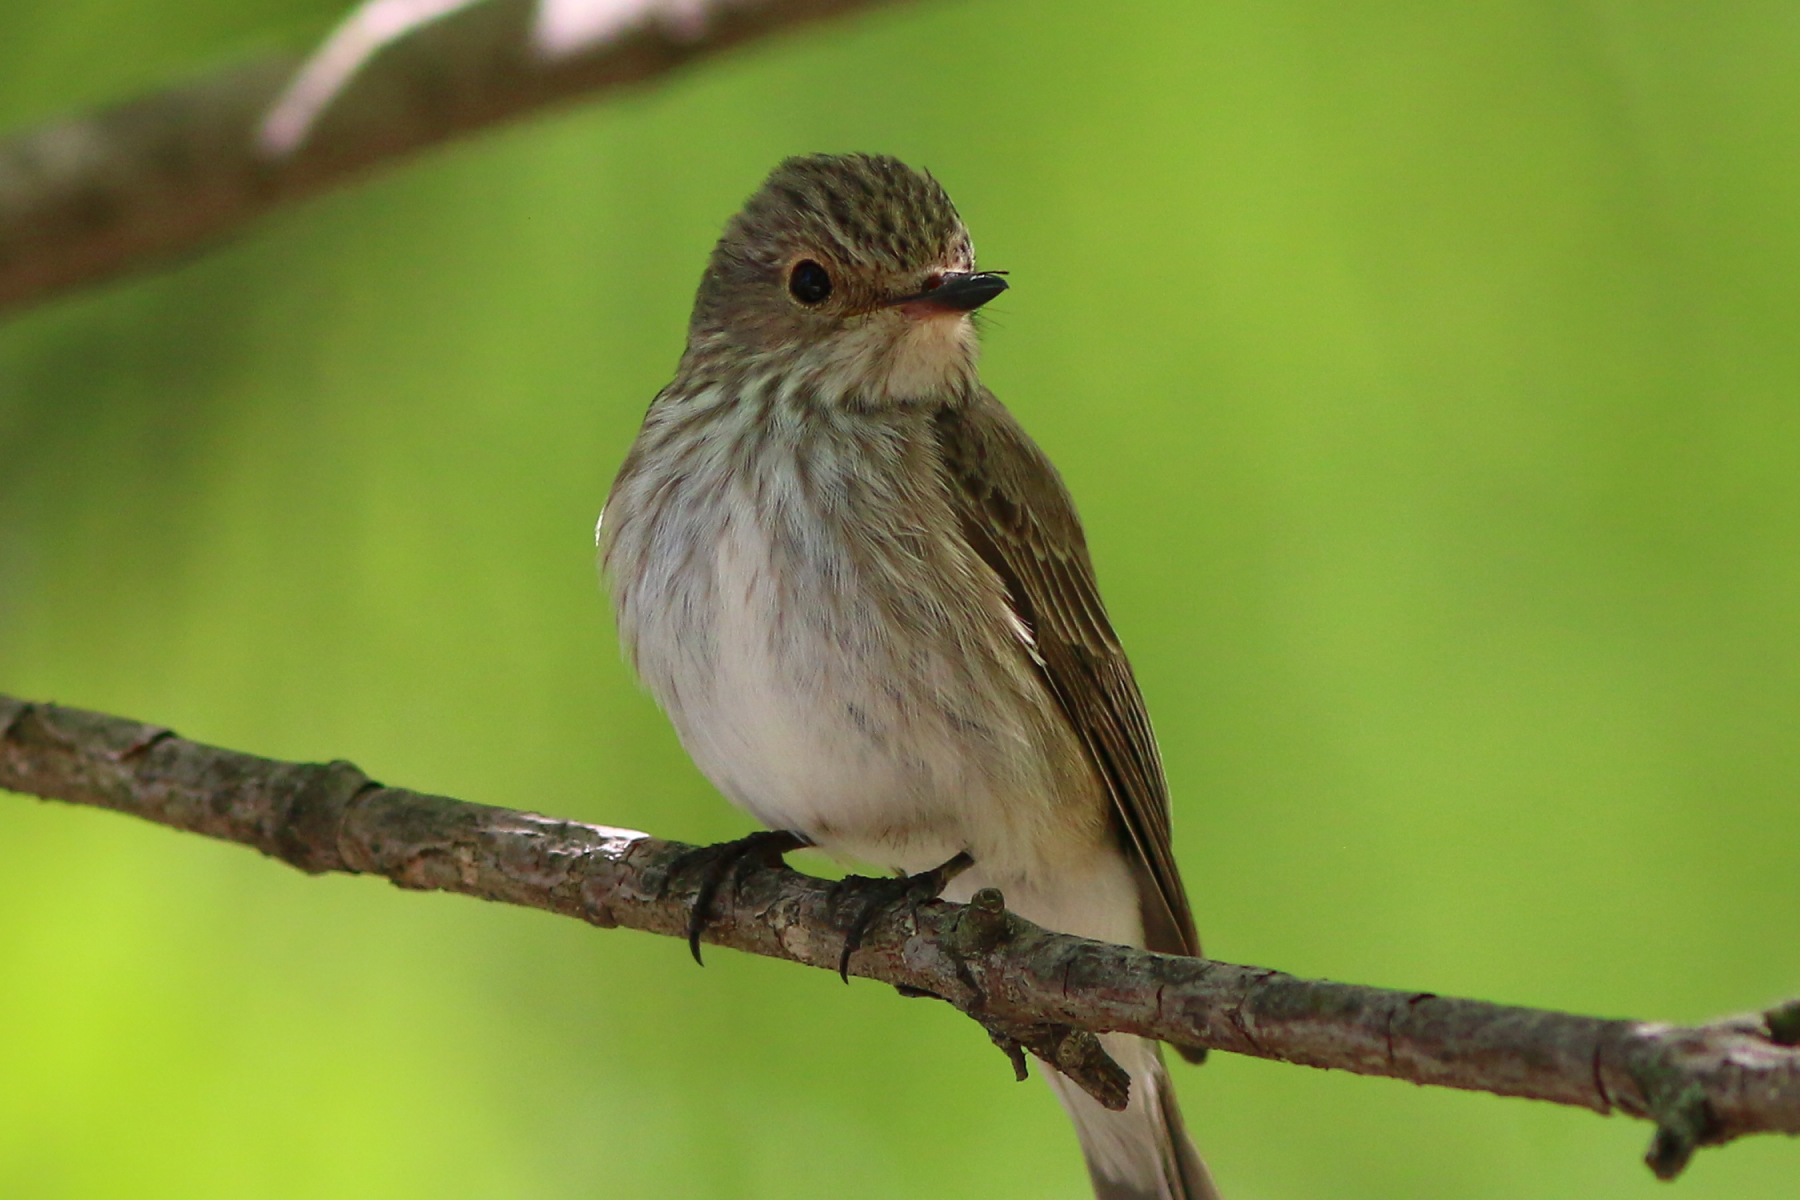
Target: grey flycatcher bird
863	597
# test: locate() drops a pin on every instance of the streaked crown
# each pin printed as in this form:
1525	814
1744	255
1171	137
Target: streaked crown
865	210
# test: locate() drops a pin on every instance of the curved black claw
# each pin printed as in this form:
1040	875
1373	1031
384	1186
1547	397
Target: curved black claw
723	861
892	893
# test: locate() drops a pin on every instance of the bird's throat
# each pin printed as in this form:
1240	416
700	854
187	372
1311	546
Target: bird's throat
898	358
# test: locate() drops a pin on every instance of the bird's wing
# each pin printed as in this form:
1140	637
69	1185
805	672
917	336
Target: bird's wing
1017	515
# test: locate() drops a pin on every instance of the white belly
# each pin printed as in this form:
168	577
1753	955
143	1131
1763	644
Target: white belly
810	711
807	715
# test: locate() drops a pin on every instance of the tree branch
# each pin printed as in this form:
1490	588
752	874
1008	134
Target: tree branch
1703	1085
91	198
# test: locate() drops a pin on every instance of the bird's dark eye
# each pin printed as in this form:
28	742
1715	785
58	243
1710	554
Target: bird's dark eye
809	283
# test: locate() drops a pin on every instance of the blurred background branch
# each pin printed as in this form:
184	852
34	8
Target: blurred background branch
90	198
1702	1086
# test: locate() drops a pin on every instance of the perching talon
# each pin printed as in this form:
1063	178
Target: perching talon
891	893
723	861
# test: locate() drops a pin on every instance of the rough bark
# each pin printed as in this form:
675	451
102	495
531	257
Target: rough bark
1041	991
87	199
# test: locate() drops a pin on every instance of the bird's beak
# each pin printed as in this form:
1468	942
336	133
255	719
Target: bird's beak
959	291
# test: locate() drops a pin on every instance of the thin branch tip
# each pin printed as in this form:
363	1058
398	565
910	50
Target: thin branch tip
1783	1023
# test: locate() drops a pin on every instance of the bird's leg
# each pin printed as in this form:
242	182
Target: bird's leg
718	863
876	896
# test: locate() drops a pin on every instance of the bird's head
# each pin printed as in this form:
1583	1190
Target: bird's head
849	275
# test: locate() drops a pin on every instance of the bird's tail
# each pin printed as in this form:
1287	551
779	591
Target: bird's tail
1144	1152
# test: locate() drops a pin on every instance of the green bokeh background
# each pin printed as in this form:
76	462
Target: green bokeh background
1427	376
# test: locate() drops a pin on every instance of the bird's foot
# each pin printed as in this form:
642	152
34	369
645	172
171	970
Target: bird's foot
716	864
876	896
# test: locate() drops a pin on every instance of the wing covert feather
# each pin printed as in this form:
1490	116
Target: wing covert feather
1017	515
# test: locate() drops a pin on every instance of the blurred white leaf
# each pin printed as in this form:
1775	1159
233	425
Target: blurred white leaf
362	35
567	27
561	28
